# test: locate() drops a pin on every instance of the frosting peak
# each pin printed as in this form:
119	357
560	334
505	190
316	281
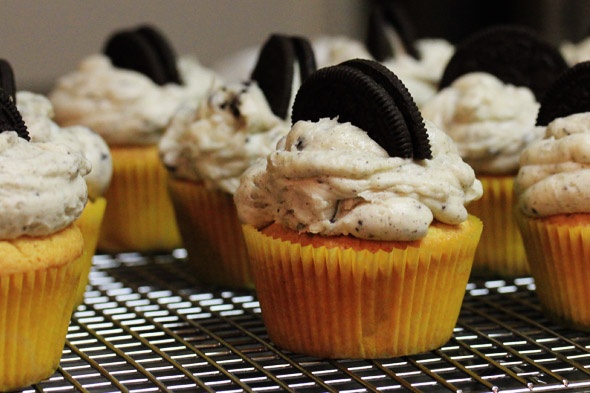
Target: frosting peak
124	106
42	186
490	121
216	140
554	177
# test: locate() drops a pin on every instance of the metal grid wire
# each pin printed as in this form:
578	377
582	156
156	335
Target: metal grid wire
147	327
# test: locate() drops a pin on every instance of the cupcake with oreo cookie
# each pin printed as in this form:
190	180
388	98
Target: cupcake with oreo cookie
488	106
356	224
208	146
552	190
128	94
43	194
37	113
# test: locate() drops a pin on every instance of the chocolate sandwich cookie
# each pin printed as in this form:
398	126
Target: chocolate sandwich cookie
7	80
514	54
371	97
387	17
145	50
275	69
10	117
568	95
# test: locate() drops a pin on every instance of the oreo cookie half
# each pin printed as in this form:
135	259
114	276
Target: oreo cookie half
10	118
144	50
275	69
514	54
569	94
371	97
7	81
386	18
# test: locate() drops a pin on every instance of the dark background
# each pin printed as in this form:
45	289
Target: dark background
555	20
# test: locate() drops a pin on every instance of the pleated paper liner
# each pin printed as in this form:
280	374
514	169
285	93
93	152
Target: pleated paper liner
360	299
139	216
212	234
89	223
500	251
36	305
558	249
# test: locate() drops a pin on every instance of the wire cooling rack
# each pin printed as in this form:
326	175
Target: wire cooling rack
146	326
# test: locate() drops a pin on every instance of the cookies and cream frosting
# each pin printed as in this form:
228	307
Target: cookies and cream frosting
421	76
125	107
37	113
42	186
575	53
216	140
554	177
331	178
490	121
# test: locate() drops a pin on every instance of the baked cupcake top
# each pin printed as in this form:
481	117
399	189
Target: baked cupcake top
43	187
554	177
330	176
216	140
129	104
489	95
37	113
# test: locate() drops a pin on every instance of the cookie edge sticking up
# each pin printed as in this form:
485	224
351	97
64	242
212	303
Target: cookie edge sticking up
313	101
463	61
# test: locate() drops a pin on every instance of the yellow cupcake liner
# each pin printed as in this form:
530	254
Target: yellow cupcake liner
212	234
139	216
346	303
500	251
558	255
35	310
89	223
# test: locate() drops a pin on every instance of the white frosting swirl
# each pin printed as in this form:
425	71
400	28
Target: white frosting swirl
575	53
37	112
554	177
332	50
125	107
42	189
421	76
217	140
490	121
333	179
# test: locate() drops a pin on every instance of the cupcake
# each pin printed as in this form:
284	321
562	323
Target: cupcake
552	190
128	95
208	146
37	113
488	107
43	194
356	228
